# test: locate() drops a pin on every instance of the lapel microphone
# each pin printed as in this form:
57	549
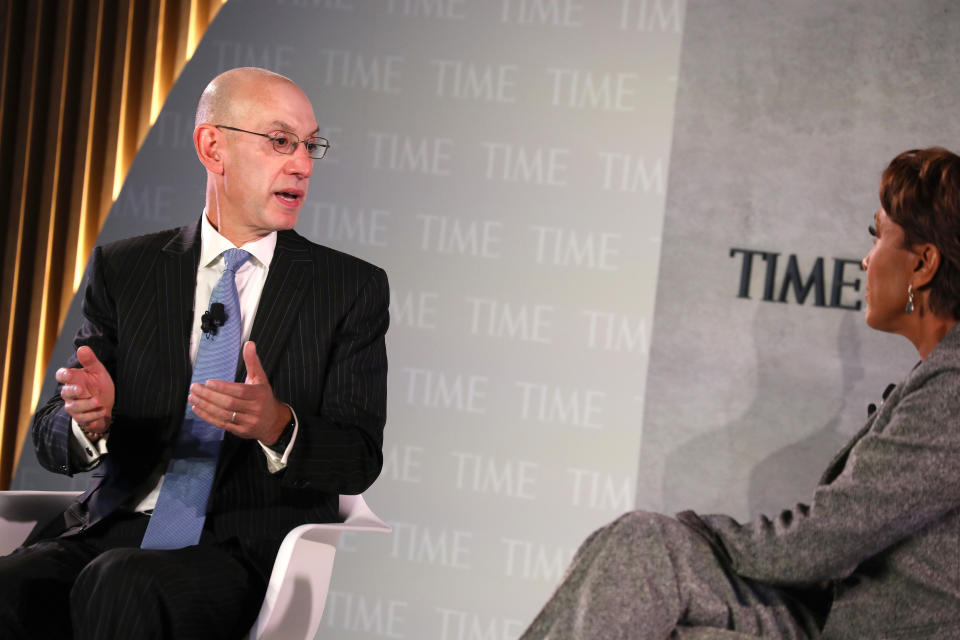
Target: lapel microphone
212	318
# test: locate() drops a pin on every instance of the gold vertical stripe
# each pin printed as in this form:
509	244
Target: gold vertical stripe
153	62
158	90
85	239
119	167
193	38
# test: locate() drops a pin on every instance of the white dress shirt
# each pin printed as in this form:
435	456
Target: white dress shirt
250	279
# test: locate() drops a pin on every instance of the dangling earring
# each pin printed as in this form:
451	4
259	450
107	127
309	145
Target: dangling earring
909	307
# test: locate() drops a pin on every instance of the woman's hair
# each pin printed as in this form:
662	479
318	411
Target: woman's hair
920	191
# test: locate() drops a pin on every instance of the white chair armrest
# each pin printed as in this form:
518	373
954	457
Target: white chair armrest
297	591
20	511
357	516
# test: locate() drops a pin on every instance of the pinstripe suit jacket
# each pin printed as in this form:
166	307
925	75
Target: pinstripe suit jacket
319	331
883	528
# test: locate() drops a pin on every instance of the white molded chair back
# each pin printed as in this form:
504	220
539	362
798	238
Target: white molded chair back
21	510
298	586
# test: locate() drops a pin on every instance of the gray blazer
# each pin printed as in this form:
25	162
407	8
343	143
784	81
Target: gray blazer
883	528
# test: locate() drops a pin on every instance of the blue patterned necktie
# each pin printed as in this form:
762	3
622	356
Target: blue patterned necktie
181	507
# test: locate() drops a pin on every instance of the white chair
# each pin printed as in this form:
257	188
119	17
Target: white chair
301	573
21	510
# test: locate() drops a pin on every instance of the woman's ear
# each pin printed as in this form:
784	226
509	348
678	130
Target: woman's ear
928	261
207	140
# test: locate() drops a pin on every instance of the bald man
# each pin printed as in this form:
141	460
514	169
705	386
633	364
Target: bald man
301	421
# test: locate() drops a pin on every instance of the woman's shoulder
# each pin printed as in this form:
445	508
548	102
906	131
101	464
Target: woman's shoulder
944	358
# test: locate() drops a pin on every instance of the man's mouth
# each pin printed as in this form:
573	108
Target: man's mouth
290	197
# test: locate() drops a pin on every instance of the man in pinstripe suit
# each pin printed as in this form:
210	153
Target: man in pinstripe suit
303	418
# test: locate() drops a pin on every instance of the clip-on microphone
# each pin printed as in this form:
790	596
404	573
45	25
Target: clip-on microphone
214	317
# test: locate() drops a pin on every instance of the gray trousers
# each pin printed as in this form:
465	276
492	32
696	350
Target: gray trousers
648	576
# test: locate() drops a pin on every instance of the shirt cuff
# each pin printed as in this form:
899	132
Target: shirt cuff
86	451
276	462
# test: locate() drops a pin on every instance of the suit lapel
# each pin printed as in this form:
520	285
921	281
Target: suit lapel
176	283
835	468
840	459
280	301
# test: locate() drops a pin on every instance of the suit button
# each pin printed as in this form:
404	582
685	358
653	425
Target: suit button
301	484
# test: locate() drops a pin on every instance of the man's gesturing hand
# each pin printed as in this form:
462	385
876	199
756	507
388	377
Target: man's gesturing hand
248	409
88	393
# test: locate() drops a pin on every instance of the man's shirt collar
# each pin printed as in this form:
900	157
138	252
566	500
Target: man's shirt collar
212	244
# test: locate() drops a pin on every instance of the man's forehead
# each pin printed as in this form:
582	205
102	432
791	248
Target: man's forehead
286	126
280	105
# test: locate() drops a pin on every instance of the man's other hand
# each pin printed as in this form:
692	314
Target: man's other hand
246	409
88	393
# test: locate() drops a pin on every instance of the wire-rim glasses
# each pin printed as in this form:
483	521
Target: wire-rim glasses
286	142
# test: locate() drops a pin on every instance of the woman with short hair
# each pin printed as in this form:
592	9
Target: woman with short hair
876	554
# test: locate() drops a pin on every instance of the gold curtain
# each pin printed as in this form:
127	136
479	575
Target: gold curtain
81	82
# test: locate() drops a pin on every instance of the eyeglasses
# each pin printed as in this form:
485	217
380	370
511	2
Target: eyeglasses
286	143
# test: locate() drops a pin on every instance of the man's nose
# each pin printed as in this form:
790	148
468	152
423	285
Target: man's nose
300	162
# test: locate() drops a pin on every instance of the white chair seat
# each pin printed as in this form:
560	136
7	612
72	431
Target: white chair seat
298	585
